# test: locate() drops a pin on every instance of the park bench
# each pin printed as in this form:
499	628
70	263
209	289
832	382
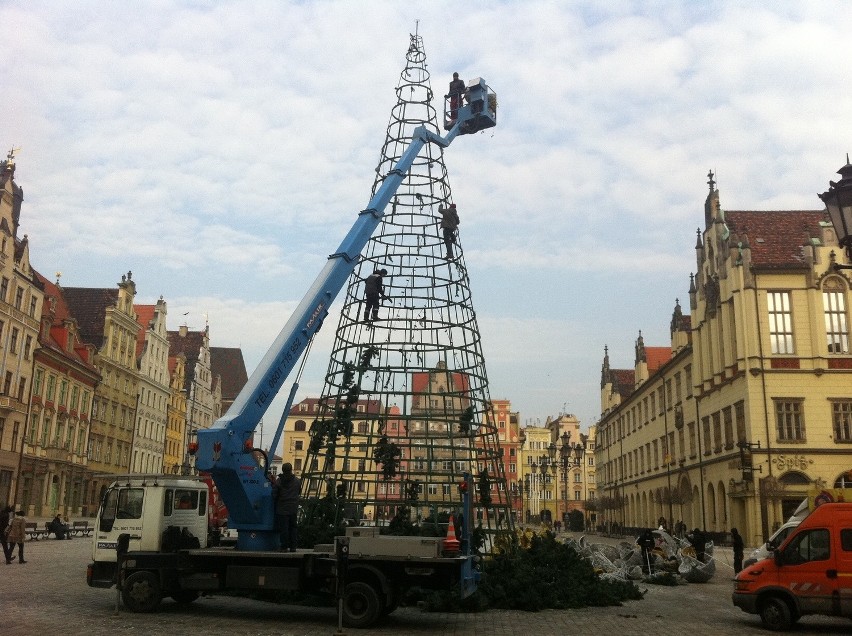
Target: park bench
80	527
32	531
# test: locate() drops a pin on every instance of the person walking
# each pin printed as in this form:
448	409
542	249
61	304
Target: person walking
374	291
286	496
738	545
449	224
5	516
17	534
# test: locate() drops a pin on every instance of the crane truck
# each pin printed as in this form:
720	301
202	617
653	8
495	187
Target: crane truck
151	530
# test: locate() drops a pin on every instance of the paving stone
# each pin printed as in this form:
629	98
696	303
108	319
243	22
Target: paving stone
49	594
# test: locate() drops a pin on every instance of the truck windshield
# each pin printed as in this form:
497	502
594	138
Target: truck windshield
130	503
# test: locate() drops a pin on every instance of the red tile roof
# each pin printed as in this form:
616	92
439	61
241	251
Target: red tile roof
657	357
624	381
88	305
57	338
144	316
228	364
776	237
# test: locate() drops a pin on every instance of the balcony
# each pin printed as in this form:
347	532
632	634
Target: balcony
53	453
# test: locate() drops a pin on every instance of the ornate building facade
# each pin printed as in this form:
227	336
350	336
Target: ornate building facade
54	461
202	407
751	410
152	361
21	298
107	319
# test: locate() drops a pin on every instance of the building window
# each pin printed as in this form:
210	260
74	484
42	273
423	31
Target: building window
13	344
4	289
297	445
841	415
688	375
836	326
789	420
780	322
19	297
299	425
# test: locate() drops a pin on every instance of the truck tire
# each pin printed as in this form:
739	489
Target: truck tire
141	592
362	605
775	614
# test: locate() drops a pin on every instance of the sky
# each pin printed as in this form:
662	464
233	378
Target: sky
221	150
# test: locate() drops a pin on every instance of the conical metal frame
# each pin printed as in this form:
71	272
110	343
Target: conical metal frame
405	409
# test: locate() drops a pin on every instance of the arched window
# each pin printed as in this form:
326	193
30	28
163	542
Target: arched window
299	425
836	323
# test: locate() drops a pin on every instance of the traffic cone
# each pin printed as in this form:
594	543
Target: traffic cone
451	544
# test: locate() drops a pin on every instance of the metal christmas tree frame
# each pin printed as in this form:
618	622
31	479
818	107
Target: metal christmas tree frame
405	409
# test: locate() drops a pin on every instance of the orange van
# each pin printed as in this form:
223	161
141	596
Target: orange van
810	573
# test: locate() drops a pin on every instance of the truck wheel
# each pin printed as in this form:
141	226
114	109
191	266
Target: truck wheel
361	605
185	597
775	614
141	592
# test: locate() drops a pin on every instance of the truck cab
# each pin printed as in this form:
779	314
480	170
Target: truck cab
156	513
810	573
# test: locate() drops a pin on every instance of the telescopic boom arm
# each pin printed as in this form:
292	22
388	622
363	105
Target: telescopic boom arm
224	449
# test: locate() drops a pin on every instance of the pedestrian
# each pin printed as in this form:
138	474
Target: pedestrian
285	493
737	541
457	90
698	540
449	224
5	516
374	290
17	534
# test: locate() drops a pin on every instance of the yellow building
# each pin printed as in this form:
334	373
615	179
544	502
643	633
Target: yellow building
751	408
107	319
21	298
175	447
558	471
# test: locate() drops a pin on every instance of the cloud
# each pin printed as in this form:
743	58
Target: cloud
221	151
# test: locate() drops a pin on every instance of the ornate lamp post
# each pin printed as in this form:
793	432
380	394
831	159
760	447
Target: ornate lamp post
838	201
521	518
534	495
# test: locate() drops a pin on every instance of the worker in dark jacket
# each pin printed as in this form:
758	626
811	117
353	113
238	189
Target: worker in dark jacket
698	540
738	545
457	90
449	224
285	493
5	518
374	290
58	528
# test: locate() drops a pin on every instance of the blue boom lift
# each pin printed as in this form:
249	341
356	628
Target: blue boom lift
225	450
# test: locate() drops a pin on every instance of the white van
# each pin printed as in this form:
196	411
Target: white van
765	550
777	538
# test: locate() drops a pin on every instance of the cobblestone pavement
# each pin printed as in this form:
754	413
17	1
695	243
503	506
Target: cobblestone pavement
49	594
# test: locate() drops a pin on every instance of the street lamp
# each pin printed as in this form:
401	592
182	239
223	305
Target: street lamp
838	201
521	493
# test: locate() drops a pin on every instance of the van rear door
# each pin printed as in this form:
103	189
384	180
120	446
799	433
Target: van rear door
844	568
